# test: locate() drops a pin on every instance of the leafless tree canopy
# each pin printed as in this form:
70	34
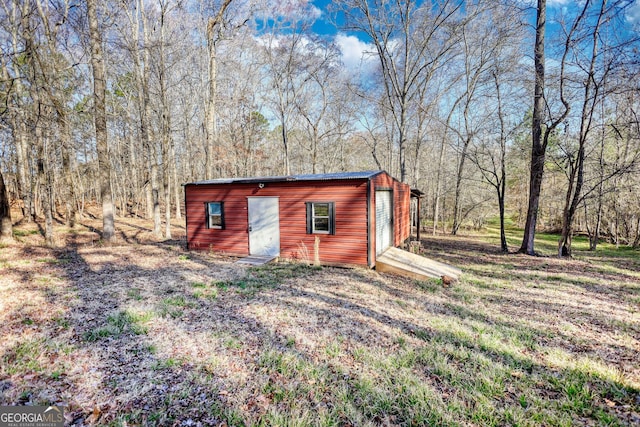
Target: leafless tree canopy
494	109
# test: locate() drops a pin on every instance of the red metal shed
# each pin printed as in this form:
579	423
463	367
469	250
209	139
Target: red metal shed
337	218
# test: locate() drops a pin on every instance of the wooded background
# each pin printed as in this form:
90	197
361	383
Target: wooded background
120	102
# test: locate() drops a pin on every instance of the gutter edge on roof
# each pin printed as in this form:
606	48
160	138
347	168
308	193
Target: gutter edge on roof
291	178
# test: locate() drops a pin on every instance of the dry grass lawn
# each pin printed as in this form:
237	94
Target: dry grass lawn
146	333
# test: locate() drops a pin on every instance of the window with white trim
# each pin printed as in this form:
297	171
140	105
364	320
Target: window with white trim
321	218
215	214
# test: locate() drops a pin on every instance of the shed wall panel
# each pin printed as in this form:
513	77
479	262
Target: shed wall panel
347	246
401	205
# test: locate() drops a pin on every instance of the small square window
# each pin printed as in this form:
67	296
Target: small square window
321	218
215	215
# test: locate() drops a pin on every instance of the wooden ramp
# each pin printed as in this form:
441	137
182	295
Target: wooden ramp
256	259
404	263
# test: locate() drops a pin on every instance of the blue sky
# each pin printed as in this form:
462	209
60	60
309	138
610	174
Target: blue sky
354	46
323	25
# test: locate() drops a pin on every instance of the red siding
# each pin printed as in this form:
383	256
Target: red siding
401	209
347	246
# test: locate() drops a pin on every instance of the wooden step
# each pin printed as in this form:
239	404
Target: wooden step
256	259
407	264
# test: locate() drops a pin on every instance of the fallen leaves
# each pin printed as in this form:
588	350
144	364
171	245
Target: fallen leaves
204	360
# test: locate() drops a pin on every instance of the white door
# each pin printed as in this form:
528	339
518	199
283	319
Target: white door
264	226
384	220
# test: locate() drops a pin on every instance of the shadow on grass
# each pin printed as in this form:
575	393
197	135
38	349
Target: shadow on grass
518	371
283	344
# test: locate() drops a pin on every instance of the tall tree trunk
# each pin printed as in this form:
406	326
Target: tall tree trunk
539	136
439	175
501	186
402	142
155	191
100	122
458	192
636	240
18	118
167	196
22	165
166	129
538	150
210	126
176	186
152	147
51	70
504	247
45	186
211	129
142	86
134	191
286	169
148	195
576	177
595	236
6	230
69	193
535	185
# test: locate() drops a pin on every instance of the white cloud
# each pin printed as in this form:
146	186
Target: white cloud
357	56
633	13
316	13
552	3
293	9
557	3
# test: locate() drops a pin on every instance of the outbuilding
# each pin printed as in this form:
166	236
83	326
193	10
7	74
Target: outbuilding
337	218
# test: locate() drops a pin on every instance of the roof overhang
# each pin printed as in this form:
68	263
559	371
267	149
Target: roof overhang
338	176
417	194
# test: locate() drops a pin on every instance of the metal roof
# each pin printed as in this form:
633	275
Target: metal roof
292	178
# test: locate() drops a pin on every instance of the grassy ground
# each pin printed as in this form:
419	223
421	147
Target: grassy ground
145	333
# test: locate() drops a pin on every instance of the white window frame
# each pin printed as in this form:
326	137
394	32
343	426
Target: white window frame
209	216
312	216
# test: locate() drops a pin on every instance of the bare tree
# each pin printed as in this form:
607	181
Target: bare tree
6	230
56	72
444	137
15	17
214	34
611	178
600	63
100	121
480	44
314	98
139	45
165	111
403	34
243	127
576	167
435	96
283	49
490	157
541	129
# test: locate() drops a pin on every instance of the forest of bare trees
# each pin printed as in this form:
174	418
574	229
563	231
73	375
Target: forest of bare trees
518	110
